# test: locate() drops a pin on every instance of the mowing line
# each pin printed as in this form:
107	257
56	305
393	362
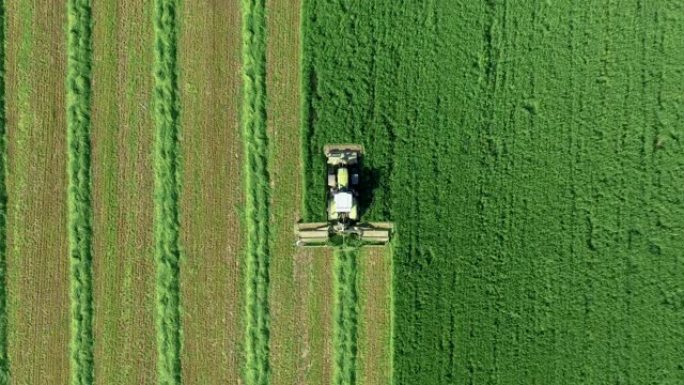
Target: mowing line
166	192
4	362
257	192
79	199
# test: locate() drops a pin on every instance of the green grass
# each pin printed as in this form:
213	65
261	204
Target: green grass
79	199
345	328
4	362
530	155
256	192
166	191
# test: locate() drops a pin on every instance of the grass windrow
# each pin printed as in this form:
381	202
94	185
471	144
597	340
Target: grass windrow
166	192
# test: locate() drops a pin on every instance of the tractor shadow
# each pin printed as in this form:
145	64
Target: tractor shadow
368	183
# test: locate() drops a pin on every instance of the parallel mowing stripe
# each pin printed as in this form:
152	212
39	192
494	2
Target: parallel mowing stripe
4	364
166	192
390	256
79	198
257	194
346	317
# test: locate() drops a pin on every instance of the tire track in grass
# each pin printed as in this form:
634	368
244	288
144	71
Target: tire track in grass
79	199
542	129
256	192
489	151
166	192
4	362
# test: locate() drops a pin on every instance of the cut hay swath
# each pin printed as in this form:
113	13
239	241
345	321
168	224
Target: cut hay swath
166	192
345	329
257	192
80	214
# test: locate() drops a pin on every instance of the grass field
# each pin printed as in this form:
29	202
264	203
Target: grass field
530	155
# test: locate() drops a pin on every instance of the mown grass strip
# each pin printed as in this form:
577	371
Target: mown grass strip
257	192
4	362
345	317
79	199
166	192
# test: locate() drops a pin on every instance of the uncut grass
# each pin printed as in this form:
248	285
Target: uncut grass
257	371
37	245
528	172
79	198
122	139
212	233
166	192
4	362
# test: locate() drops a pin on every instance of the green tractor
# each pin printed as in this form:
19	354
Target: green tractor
344	167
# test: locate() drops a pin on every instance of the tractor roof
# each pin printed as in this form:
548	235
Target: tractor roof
343	202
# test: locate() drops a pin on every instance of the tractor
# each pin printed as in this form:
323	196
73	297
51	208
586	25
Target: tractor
343	179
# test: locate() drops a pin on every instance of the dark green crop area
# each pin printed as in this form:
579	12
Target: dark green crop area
531	155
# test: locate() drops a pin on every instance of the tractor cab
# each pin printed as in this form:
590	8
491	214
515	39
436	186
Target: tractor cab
342	205
343	167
